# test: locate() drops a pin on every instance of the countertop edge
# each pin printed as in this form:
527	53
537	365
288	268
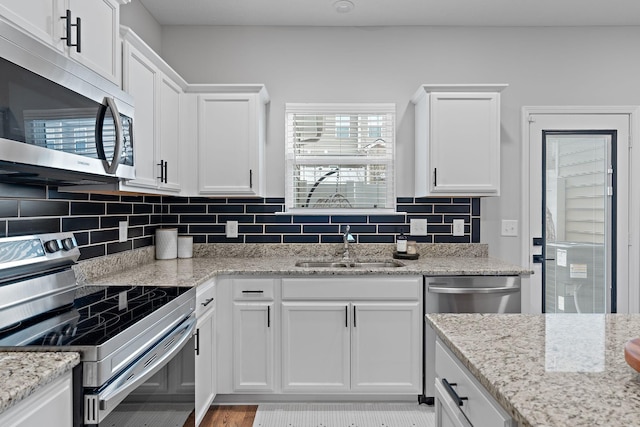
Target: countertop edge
22	373
488	385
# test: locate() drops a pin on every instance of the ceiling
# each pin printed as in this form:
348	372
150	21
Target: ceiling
396	12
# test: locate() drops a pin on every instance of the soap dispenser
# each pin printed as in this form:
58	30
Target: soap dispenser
401	243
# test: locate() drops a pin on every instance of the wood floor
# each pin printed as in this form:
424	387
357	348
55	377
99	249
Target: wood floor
227	416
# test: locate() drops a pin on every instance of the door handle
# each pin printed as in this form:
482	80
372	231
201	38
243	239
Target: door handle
539	259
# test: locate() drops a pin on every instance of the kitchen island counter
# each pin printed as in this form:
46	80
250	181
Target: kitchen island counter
22	373
550	370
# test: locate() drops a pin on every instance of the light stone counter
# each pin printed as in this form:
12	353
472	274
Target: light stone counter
22	373
550	370
139	267
194	271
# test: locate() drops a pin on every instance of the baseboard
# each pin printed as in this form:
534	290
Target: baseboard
255	399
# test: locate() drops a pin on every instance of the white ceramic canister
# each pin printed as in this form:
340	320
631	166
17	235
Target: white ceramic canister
185	246
166	243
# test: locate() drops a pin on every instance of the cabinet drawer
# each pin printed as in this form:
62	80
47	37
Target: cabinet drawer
480	407
205	297
360	288
253	289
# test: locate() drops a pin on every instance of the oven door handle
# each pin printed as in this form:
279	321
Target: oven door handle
147	365
472	290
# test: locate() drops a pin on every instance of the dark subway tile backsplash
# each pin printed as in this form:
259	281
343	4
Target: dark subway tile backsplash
94	219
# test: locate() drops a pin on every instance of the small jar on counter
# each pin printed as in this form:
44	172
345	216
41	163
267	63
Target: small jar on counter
412	248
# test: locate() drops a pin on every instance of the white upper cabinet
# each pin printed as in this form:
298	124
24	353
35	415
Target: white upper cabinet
231	139
457	140
157	92
86	30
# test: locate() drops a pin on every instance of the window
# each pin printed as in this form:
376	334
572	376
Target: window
340	157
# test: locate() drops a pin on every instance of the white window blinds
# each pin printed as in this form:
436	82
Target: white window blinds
340	156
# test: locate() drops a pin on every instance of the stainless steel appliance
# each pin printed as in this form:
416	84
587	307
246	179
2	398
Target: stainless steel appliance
124	334
464	294
59	124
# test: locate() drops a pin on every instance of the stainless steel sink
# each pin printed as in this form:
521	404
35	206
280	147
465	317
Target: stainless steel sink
351	264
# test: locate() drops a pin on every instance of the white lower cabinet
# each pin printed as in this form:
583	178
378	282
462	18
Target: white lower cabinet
340	335
315	347
205	365
385	344
51	405
460	400
254	326
371	344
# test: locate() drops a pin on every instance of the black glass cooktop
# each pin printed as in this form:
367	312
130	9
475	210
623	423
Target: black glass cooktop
95	317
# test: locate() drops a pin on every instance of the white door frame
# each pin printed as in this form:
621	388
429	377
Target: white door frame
628	286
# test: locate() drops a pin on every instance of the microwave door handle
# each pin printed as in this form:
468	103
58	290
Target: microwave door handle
111	166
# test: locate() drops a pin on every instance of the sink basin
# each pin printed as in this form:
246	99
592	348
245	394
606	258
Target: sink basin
350	264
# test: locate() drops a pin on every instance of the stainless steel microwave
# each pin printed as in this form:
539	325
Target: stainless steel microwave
58	128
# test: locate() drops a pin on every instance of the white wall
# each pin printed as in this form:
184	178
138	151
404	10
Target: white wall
135	16
543	66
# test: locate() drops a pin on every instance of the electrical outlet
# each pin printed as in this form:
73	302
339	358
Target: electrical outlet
123	230
510	227
458	227
232	229
418	227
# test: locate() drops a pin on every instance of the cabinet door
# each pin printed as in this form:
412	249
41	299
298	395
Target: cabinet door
140	82
447	413
253	346
227	144
40	18
464	143
315	347
52	405
205	364
169	136
100	41
386	347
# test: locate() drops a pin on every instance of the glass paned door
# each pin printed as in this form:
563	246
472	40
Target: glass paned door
578	221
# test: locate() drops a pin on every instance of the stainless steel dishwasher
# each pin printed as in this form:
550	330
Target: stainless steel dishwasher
464	294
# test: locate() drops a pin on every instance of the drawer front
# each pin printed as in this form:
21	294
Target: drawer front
360	288
205	297
479	407
253	289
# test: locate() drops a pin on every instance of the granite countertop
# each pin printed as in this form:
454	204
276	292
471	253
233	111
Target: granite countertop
22	373
550	370
194	271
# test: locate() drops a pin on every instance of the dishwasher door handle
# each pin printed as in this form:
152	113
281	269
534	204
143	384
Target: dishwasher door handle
473	290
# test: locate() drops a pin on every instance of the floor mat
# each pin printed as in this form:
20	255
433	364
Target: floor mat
344	415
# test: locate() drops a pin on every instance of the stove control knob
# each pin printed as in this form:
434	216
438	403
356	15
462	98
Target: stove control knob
52	246
68	243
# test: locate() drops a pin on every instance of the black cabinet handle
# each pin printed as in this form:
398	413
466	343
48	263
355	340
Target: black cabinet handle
197	334
252	292
162	169
354	316
68	25
435	177
78	35
250	178
166	174
346	316
207	302
454	395
268	316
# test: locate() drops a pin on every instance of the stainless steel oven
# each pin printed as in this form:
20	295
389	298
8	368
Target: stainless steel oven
464	294
125	335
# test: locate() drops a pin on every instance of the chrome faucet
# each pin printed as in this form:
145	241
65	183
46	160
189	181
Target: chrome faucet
346	238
